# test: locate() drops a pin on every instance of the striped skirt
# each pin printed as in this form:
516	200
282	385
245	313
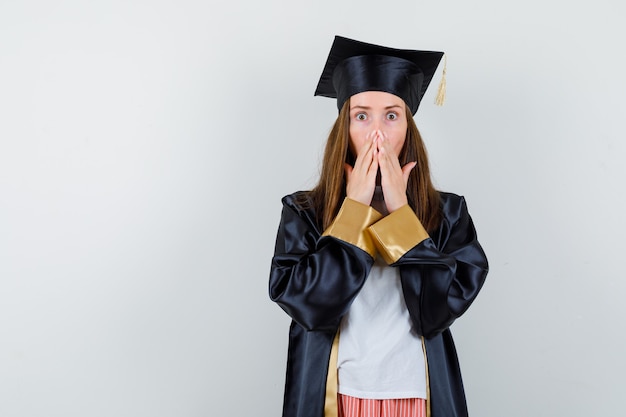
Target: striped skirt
358	407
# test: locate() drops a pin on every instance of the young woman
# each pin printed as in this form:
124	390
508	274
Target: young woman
373	265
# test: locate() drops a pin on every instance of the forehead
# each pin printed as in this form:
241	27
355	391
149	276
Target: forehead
375	99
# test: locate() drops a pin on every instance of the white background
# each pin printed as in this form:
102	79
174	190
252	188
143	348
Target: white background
145	146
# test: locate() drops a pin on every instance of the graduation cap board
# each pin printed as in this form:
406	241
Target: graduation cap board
353	67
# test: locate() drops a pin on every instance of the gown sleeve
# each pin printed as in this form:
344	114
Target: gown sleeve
315	276
442	274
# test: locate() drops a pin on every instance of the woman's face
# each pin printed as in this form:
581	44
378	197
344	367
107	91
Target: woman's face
377	110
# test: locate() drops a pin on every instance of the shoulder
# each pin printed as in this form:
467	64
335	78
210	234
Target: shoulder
298	201
451	199
453	206
300	205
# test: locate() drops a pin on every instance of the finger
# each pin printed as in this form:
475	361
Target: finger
387	161
348	168
406	171
390	161
364	155
373	168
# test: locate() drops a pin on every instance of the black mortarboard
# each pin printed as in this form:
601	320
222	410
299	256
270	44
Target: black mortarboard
353	67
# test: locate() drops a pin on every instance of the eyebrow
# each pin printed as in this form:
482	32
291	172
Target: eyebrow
368	107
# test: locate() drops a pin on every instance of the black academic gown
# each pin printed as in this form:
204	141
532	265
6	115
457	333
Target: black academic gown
315	277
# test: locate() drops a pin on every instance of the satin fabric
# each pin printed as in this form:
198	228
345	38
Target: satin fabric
314	279
353	67
391	74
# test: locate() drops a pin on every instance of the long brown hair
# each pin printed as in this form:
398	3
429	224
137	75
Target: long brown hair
330	191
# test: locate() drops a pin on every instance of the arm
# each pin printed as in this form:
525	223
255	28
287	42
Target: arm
315	278
441	275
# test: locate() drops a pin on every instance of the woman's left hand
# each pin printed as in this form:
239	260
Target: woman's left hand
393	177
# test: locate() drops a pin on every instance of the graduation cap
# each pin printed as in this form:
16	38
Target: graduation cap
353	67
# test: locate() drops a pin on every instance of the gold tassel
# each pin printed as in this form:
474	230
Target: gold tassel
441	93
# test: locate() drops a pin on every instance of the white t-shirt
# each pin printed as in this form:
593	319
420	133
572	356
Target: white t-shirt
380	356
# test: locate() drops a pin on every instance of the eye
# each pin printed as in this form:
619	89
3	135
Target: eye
360	116
392	116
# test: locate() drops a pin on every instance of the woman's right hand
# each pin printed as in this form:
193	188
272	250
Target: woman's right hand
361	179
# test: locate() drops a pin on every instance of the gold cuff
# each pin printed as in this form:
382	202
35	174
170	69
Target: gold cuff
351	223
397	233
